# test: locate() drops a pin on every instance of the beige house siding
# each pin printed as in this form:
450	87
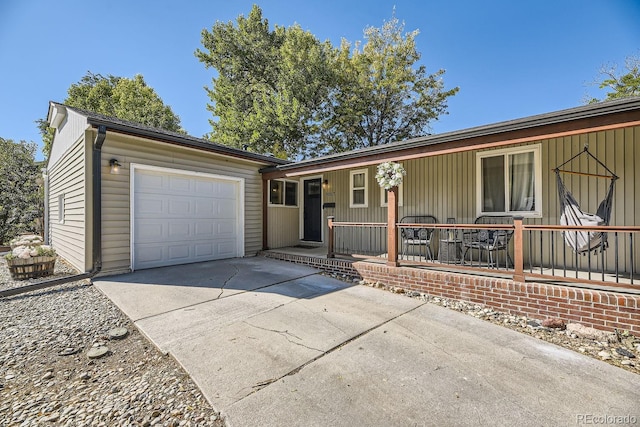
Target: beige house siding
445	186
66	136
116	240
283	226
68	177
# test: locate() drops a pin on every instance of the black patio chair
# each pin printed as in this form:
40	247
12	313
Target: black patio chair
487	240
419	236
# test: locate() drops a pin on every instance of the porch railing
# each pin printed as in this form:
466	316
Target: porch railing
358	239
531	251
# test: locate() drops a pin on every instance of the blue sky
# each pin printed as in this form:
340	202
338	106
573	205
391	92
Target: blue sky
511	59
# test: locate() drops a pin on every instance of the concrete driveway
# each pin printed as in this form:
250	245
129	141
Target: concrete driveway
272	343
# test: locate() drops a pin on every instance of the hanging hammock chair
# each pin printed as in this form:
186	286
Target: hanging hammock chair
584	242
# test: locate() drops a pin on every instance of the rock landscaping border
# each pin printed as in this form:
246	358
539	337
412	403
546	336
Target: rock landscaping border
66	360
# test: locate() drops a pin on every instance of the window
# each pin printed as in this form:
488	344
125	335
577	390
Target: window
384	199
61	208
510	181
283	193
358	189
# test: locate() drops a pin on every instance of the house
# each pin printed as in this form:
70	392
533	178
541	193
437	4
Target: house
121	196
502	169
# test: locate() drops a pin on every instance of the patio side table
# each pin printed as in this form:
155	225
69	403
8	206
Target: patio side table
450	251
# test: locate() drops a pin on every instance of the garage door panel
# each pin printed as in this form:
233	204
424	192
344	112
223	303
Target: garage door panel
180	219
179	252
226	248
224	210
179	207
225	228
179	231
204	249
205	187
149	232
150	204
149	254
225	190
179	184
149	181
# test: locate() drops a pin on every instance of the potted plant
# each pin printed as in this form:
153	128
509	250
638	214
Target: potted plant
29	258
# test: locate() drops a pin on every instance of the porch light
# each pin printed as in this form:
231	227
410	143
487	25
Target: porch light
115	166
325	184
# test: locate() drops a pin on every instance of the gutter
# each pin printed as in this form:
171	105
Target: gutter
184	141
97	227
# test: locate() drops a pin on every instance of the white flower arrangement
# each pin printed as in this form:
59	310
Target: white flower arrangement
390	175
27	240
30	246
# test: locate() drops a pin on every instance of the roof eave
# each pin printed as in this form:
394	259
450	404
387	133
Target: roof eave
185	142
527	123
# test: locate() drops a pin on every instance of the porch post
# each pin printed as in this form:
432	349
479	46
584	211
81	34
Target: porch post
265	210
392	231
330	249
518	254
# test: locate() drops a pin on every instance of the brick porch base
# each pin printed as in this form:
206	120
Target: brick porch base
601	309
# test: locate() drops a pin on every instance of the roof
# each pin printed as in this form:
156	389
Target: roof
136	129
585	113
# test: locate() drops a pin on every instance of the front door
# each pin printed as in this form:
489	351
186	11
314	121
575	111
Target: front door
313	210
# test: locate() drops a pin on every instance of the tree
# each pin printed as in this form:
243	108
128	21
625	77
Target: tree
620	85
20	195
381	95
270	84
127	99
285	92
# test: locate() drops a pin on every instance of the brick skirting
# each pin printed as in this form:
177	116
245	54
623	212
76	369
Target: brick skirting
601	309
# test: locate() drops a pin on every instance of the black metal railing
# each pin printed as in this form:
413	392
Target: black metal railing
360	239
604	254
526	251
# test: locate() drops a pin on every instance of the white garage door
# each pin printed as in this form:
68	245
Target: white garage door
180	218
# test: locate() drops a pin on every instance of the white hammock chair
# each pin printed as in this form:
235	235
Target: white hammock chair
584	242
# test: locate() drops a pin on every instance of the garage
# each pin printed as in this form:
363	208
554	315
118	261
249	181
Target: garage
181	217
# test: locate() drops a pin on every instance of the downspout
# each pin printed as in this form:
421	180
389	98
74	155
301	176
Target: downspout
97	200
45	215
97	226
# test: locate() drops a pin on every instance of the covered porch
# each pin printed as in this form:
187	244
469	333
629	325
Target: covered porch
494	181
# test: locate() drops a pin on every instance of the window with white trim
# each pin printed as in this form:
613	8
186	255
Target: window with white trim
509	181
283	193
358	180
384	196
61	208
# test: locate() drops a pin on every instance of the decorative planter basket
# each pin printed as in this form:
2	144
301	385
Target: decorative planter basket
31	268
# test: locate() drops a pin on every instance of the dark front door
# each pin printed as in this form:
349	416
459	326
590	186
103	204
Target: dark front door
313	210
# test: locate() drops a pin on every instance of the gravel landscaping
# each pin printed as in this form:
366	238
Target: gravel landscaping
47	378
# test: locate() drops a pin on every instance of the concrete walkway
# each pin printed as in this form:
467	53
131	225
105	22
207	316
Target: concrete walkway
272	343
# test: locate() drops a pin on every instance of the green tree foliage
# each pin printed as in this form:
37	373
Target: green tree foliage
127	99
270	84
620	85
20	195
282	91
382	96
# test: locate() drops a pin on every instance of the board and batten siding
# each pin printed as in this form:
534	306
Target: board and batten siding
68	178
116	221
445	186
